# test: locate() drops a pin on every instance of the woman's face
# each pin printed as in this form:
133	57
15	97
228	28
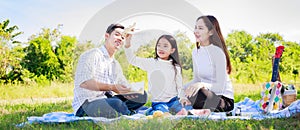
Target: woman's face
202	33
164	49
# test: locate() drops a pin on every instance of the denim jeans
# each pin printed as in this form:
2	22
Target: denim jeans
112	107
173	106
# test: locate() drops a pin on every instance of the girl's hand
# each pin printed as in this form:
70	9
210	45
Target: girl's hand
193	89
184	102
128	40
128	34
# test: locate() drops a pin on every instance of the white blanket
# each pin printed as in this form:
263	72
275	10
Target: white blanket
249	110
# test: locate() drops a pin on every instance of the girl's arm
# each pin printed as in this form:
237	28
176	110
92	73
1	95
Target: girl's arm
180	89
142	63
195	71
179	86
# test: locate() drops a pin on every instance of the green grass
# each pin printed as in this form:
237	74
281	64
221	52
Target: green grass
13	113
10	91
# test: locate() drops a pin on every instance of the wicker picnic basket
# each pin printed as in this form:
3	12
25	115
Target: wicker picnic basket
289	96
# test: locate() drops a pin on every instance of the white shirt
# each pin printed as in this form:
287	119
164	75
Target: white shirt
95	64
167	85
209	67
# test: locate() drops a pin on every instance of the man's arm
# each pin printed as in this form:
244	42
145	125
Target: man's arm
98	86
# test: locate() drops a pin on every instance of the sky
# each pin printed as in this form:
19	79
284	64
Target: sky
252	16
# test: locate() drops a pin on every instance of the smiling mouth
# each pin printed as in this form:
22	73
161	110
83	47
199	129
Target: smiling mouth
118	43
197	38
161	53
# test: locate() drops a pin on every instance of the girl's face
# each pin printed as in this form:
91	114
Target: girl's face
164	49
202	33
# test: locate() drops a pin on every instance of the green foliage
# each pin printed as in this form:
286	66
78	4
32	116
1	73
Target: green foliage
40	58
289	65
54	56
26	76
8	33
50	56
252	57
185	47
10	51
42	80
65	55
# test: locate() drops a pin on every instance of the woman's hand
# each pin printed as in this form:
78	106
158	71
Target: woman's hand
193	89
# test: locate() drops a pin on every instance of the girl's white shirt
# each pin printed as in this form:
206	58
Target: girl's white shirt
168	85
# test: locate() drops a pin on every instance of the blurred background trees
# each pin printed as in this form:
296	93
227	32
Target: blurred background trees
51	56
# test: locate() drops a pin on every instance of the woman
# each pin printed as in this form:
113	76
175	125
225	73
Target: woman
211	87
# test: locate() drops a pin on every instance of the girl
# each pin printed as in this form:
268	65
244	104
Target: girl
164	68
211	87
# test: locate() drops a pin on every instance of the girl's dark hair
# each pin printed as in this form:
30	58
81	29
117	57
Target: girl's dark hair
174	56
213	25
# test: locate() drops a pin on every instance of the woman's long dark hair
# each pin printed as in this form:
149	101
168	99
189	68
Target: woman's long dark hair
213	25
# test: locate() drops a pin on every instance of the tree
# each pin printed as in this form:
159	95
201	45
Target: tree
65	54
185	47
9	51
8	33
40	58
251	57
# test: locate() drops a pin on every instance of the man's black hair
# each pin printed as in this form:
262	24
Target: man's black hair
112	27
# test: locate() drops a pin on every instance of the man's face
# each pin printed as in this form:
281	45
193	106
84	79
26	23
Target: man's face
114	41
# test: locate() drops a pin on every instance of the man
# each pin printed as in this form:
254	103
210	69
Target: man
97	75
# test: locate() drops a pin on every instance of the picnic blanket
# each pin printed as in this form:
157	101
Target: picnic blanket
249	110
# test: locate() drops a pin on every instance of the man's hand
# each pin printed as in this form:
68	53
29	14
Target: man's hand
119	89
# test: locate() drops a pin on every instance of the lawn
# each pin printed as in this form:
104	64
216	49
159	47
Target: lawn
15	107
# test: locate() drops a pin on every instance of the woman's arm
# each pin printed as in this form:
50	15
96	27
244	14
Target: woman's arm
220	71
